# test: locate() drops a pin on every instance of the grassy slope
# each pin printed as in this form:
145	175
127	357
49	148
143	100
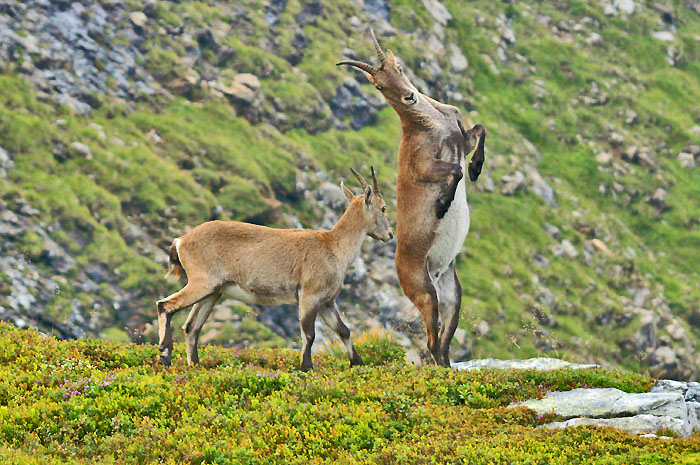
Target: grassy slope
97	402
217	158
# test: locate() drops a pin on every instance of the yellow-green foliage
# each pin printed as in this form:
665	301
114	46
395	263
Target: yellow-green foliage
99	402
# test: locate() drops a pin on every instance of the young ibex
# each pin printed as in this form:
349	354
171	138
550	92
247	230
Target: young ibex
432	217
265	266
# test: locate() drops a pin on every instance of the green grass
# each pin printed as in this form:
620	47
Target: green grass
209	155
99	402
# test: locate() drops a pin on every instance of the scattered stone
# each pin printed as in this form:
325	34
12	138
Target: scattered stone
664	36
631	116
616	139
378	8
6	163
99	130
669	408
658	198
78	148
138	19
600	246
595	39
482	328
539	364
566	248
458	61
541	261
604	158
552	230
513	183
309	13
438	11
687	160
541	187
646	425
625	6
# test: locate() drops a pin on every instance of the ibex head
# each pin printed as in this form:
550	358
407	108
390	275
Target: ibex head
374	207
388	78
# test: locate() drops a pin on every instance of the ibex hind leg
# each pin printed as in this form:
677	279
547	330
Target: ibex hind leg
450	298
193	326
417	286
332	319
192	293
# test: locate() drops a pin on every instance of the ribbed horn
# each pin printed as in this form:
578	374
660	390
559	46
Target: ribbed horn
380	53
359	177
358	64
374	180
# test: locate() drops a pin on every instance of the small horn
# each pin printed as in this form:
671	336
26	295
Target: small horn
359	177
380	53
358	64
374	180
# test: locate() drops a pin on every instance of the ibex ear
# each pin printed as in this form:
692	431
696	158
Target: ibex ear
369	77
348	193
390	57
368	196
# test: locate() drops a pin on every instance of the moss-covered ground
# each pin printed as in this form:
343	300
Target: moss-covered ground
91	401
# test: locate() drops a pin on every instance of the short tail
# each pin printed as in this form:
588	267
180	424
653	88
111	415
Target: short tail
174	266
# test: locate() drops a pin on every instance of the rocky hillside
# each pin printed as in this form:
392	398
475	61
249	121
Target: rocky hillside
124	123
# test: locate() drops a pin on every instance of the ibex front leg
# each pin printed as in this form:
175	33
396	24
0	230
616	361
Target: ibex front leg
192	293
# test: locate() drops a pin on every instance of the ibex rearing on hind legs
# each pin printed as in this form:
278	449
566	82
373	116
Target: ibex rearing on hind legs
432	217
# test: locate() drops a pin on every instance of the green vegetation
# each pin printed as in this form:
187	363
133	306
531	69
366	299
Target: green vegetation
96	402
210	155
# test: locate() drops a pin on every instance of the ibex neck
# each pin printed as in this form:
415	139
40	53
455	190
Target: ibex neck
420	115
348	233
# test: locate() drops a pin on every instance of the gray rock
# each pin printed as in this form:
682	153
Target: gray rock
378	8
513	183
692	394
458	62
595	39
138	19
539	364
438	11
664	36
625	6
552	230
541	187
638	424
6	163
687	160
78	148
565	248
612	403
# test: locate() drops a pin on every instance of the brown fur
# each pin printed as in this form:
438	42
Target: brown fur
261	265
433	147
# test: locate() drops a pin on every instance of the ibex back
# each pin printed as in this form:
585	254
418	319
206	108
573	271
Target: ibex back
266	266
432	217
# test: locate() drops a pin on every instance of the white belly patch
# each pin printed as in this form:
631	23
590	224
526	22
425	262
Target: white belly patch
450	235
236	292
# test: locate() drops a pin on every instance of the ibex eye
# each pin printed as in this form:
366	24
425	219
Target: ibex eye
380	88
400	69
383	209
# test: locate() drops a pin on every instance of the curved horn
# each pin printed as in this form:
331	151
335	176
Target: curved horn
380	53
358	64
374	180
359	177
